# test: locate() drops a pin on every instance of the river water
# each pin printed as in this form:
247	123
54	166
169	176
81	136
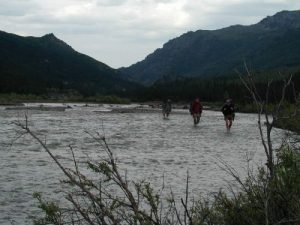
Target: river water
146	145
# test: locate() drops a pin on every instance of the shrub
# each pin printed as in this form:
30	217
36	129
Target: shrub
260	200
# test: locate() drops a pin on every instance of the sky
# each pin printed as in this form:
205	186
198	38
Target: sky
122	32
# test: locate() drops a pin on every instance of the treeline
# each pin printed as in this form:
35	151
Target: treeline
29	84
220	88
210	89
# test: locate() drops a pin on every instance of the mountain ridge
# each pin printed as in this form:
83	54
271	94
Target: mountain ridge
43	64
269	44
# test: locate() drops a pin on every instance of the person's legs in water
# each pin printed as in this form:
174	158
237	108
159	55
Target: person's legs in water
229	122
226	122
195	118
167	113
198	118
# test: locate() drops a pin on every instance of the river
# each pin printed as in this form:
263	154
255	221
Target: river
146	145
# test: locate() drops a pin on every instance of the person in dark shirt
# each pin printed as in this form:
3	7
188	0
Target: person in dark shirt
166	108
228	112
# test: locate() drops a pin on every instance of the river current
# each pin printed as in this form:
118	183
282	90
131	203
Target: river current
146	145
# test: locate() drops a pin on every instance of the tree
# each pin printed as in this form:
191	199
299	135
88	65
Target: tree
271	114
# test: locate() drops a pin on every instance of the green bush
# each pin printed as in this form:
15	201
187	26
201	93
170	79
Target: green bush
261	200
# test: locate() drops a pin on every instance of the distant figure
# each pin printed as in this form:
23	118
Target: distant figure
228	112
196	110
166	108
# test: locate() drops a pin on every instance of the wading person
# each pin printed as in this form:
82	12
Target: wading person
196	110
166	108
228	112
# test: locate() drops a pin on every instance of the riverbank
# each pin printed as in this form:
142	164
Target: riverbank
289	116
19	99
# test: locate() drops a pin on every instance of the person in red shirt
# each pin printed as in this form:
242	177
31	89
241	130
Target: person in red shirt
196	110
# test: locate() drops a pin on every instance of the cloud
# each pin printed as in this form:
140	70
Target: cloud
108	29
214	14
110	2
16	8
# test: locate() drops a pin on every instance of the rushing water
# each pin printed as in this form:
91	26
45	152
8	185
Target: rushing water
146	146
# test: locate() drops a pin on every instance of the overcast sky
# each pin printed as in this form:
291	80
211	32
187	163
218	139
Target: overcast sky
122	32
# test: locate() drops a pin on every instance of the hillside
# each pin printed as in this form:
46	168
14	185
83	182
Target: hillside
273	43
46	64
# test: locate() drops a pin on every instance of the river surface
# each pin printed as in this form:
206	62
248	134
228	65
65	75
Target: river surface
146	145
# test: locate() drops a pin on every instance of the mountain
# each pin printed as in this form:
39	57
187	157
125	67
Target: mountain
273	43
46	64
